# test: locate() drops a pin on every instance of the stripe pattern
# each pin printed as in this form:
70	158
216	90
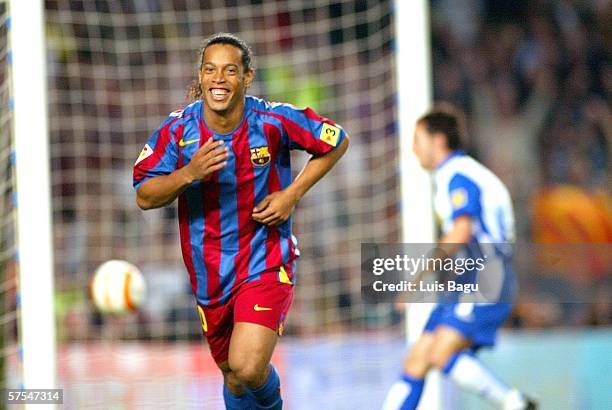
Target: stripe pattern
222	245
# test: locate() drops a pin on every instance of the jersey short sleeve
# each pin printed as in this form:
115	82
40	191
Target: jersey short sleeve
159	155
306	130
464	197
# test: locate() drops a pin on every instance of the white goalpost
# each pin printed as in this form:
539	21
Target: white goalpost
33	204
414	86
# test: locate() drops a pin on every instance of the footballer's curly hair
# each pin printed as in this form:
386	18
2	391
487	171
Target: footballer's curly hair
194	91
445	119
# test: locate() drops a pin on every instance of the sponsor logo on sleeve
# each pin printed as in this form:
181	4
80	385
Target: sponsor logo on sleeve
458	198
146	152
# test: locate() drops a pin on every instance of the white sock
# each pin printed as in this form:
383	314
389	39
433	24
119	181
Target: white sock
404	394
515	401
469	373
396	396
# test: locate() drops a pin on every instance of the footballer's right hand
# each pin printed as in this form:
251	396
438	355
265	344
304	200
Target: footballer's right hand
210	157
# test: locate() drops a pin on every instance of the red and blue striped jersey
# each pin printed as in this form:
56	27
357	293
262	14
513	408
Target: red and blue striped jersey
222	245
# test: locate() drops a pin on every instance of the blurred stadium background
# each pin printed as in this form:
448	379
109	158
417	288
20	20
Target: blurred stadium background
535	79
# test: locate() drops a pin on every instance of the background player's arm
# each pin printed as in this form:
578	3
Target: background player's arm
464	197
276	207
449	244
460	234
162	190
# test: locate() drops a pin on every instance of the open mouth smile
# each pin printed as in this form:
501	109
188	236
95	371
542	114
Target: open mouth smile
219	94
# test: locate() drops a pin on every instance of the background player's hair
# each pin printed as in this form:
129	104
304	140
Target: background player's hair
195	91
445	119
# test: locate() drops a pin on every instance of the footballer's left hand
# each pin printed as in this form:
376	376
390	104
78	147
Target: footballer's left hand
275	208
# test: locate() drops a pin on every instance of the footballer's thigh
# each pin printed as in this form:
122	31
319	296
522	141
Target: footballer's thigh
250	352
416	363
260	312
446	342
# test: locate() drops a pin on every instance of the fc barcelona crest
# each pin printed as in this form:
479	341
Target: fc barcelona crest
260	156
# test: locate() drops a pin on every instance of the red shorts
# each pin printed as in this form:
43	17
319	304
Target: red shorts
265	302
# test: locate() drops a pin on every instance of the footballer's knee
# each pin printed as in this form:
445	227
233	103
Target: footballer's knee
232	381
416	364
233	384
250	371
439	358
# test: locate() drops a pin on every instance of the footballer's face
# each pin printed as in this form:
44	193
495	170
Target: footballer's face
223	78
423	146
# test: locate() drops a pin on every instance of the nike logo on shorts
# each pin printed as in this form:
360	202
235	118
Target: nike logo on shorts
258	308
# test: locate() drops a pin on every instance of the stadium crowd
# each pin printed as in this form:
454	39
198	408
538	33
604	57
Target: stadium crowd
535	81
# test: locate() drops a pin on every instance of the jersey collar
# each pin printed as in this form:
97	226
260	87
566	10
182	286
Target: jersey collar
455	153
228	136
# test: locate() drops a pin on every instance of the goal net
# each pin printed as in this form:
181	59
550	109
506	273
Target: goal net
116	69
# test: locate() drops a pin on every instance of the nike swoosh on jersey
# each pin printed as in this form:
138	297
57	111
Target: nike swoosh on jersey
258	308
183	143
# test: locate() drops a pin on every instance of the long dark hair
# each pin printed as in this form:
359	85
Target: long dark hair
194	91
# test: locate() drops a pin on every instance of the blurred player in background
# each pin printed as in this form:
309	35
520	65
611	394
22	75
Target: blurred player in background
226	157
475	211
